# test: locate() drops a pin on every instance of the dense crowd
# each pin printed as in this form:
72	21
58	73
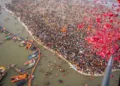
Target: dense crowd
55	22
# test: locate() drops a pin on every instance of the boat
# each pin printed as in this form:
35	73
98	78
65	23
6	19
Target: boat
22	43
28	46
19	39
21	82
33	55
7	37
19	77
30	63
2	73
33	48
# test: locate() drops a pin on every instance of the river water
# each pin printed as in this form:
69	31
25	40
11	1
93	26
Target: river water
10	53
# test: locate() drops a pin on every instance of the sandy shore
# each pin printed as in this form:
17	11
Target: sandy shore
41	43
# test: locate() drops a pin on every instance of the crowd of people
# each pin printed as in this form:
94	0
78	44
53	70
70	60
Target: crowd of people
55	23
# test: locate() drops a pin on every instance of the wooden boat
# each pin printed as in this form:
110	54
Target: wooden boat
1	77
7	37
21	83
19	77
33	55
2	73
30	63
22	43
28	46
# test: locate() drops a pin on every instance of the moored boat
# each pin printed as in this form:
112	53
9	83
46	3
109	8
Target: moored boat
33	55
21	82
2	73
30	63
19	77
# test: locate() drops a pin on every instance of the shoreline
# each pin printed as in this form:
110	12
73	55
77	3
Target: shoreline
51	50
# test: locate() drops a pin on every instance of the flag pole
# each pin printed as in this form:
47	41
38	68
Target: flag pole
106	78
